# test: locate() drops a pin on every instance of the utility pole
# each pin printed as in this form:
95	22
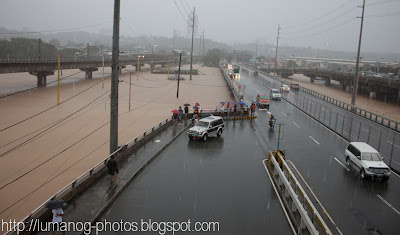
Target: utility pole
276	51
179	73
87	50
40	42
203	44
355	82
191	54
256	49
199	44
114	81
173	41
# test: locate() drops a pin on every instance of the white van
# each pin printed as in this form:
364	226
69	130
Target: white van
366	160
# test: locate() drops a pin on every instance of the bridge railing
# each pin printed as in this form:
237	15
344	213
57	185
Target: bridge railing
380	119
83	178
296	196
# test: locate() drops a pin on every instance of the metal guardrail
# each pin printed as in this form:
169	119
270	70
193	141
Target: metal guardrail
379	119
382	120
75	183
306	221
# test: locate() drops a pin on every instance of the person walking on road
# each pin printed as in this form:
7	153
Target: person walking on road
58	213
180	113
112	168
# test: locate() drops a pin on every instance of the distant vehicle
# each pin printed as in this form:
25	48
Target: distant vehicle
295	86
366	160
285	88
262	101
275	94
207	127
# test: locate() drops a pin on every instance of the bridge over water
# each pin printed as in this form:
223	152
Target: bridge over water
43	68
373	86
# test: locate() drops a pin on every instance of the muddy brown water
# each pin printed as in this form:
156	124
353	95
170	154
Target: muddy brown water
53	156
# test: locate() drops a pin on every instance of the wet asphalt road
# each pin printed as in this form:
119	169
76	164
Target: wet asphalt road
348	124
356	206
222	180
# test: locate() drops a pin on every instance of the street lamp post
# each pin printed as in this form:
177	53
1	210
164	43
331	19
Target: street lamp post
292	65
137	68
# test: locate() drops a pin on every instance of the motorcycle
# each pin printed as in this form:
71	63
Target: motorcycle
272	123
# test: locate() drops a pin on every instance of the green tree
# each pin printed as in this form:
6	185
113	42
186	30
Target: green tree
212	58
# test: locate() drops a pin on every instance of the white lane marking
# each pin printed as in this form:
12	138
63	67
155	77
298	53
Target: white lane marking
394	144
284	114
314	140
322	108
388	204
340	117
364	129
346	132
274	105
342	164
296	124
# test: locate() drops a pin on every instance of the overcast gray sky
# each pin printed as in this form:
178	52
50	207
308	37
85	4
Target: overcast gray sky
325	24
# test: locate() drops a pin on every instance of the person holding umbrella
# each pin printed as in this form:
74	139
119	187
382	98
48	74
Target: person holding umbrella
56	206
175	115
186	109
112	167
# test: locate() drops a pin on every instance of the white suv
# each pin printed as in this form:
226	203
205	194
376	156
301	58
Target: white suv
367	160
207	127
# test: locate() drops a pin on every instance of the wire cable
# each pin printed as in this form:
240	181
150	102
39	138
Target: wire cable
57	30
32	88
41	112
181	13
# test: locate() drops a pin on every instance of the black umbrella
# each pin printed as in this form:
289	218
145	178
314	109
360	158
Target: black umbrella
186	105
56	203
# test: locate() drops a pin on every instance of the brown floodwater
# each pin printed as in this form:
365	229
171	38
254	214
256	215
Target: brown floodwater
41	155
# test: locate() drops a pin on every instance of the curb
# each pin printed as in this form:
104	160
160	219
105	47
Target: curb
112	199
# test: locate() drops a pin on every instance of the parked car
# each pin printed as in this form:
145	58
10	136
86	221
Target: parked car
366	160
211	126
295	86
285	88
262	101
275	94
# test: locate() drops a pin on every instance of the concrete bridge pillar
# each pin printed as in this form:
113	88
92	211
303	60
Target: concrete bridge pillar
152	66
138	68
41	77
88	72
163	65
328	81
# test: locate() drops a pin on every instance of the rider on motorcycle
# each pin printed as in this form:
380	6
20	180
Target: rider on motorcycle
272	120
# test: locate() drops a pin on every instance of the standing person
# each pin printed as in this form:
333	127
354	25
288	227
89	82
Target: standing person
112	168
222	110
228	105
180	113
186	111
196	120
253	109
57	219
234	108
175	118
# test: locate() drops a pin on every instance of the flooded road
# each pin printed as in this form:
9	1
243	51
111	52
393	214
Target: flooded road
44	146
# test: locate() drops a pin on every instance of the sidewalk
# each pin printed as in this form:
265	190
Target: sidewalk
100	194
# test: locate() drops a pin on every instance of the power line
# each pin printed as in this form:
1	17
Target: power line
26	119
323	23
40	133
184	8
33	88
383	15
57	30
321	16
181	13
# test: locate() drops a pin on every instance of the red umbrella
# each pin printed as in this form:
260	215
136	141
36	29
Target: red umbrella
196	104
175	111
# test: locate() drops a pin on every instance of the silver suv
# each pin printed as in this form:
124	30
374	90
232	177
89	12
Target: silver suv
207	127
275	94
366	160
